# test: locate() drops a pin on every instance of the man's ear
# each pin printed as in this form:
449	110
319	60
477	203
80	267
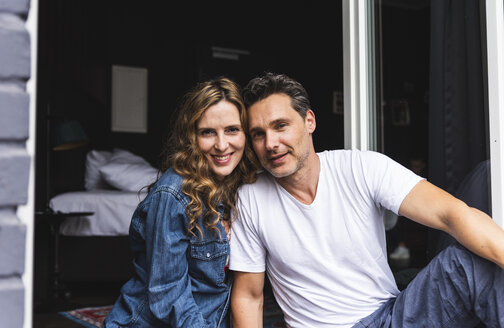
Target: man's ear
310	122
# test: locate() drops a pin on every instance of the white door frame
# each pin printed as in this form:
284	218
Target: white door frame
495	62
359	75
26	212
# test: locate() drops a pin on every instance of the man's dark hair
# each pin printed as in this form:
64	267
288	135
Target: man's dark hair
264	86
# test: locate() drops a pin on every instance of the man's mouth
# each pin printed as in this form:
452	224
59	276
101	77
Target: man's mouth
277	159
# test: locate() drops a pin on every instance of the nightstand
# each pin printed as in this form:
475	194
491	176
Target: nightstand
54	219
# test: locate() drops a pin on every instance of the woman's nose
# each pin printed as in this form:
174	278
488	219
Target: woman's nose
221	143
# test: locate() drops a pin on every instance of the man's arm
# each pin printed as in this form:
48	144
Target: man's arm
433	207
247	299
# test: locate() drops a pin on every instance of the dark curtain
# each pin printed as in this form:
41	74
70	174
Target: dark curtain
457	124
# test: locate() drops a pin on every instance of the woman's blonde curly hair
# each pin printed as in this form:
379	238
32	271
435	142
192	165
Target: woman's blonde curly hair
183	154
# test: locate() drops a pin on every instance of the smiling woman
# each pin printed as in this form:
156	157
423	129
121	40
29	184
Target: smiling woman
221	137
178	232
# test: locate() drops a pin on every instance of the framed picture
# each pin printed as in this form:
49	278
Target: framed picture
400	112
129	99
337	106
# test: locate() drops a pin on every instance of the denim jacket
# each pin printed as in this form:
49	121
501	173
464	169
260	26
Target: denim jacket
179	279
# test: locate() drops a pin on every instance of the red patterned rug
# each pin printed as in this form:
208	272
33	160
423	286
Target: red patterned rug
90	317
93	317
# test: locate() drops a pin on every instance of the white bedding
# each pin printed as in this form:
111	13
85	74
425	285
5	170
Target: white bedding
112	212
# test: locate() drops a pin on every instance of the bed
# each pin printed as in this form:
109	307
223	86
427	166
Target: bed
95	248
112	211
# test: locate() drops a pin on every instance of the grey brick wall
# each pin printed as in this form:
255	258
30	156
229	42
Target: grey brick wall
14	159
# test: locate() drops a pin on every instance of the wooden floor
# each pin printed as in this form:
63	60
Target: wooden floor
51	320
46	315
82	295
89	295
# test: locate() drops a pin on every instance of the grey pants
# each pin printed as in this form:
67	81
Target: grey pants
456	289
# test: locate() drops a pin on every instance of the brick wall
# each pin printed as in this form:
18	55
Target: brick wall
14	159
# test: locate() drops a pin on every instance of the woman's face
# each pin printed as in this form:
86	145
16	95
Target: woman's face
221	137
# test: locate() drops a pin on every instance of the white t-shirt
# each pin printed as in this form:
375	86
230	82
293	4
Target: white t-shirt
326	261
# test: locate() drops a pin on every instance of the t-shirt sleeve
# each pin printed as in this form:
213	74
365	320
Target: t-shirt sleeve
247	251
390	181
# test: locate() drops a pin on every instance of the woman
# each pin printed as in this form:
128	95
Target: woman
180	232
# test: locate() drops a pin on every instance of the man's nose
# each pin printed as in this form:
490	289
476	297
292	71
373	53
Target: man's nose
271	141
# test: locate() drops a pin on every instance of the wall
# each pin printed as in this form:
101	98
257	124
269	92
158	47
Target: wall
405	55
14	158
80	41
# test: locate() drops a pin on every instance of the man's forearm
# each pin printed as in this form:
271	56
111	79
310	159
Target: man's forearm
480	234
435	208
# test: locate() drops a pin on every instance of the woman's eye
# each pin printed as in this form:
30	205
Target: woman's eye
233	129
207	132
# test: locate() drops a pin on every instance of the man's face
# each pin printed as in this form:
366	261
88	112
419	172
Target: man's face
280	136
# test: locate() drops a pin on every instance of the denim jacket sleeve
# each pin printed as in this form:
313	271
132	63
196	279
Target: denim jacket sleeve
169	284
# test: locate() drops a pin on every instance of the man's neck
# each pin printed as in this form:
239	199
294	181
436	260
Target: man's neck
302	185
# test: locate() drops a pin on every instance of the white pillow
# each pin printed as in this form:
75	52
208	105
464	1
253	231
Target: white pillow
92	177
127	171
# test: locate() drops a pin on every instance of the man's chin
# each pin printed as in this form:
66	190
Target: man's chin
278	173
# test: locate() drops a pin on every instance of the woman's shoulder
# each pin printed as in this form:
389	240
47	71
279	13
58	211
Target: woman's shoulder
169	182
169	178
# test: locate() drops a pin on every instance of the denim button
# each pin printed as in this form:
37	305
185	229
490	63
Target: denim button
207	254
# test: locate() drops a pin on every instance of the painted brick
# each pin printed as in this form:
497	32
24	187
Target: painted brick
14	48
11	302
15	6
14	173
14	110
12	244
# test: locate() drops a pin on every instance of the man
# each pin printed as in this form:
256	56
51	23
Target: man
314	223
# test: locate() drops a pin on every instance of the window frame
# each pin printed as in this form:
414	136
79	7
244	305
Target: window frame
359	86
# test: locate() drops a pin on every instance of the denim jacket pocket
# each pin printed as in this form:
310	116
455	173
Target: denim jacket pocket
207	261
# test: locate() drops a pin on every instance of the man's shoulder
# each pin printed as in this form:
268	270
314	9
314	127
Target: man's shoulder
264	180
349	154
352	162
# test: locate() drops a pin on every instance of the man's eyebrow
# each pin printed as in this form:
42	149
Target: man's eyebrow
254	129
271	123
278	120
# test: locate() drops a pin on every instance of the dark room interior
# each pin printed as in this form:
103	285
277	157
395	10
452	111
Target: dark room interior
180	44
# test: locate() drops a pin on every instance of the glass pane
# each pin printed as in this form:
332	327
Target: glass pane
433	115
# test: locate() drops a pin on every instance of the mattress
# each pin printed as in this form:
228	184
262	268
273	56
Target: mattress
112	212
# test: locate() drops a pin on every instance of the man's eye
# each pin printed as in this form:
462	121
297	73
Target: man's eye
257	135
281	125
